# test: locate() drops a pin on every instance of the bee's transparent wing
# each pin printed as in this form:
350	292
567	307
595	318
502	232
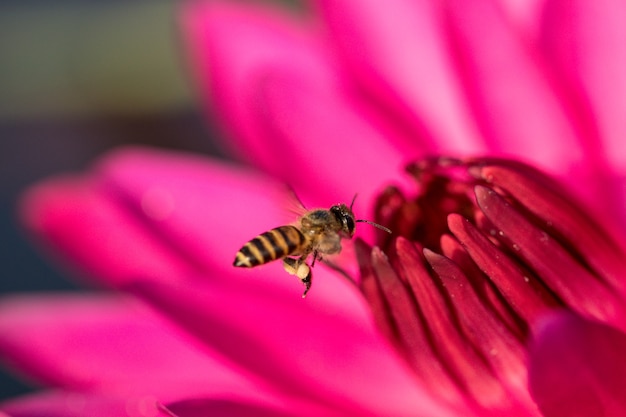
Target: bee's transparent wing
293	205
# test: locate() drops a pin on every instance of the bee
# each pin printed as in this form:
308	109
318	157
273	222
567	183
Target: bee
318	232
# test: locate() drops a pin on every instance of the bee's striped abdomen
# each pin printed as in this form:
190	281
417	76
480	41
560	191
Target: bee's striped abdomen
269	246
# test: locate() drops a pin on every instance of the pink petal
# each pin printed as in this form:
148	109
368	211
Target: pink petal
217	209
110	223
231	48
525	14
325	148
277	88
171	217
577	368
515	102
321	356
108	344
398	51
94	233
74	404
585	41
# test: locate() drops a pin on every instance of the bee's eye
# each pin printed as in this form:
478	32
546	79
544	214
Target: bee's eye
349	223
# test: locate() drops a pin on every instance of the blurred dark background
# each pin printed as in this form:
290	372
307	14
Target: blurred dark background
78	78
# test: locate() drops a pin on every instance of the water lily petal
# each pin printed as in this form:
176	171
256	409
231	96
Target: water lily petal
294	117
168	216
559	269
399	53
215	207
231	47
93	233
525	14
577	368
529	298
111	221
218	208
549	201
312	356
513	99
499	346
585	41
76	404
330	150
108	344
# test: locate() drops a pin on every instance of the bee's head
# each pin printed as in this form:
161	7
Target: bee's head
345	217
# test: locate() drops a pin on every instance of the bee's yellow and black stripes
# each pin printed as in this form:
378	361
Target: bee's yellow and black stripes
269	246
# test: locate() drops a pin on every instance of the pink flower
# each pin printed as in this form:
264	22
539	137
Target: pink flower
335	105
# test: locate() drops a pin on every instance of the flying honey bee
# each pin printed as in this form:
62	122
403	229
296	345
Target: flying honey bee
318	232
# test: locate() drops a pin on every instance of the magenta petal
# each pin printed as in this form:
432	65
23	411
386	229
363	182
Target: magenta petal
279	90
399	53
75	404
577	368
320	355
515	103
216	208
210	202
107	344
153	214
325	144
231	47
526	14
585	40
94	234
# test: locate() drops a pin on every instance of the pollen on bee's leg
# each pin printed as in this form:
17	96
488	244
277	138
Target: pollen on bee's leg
304	273
299	268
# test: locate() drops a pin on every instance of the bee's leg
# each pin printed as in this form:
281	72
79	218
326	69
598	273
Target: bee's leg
301	269
316	256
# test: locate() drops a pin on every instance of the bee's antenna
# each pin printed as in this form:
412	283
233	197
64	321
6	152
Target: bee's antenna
378	226
353	198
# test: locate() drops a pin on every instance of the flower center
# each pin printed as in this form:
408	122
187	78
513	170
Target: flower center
479	253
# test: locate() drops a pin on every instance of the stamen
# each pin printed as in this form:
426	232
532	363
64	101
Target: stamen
482	251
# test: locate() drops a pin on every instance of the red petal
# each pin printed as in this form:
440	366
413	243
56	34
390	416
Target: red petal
547	200
503	352
571	281
370	287
523	293
485	289
458	357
